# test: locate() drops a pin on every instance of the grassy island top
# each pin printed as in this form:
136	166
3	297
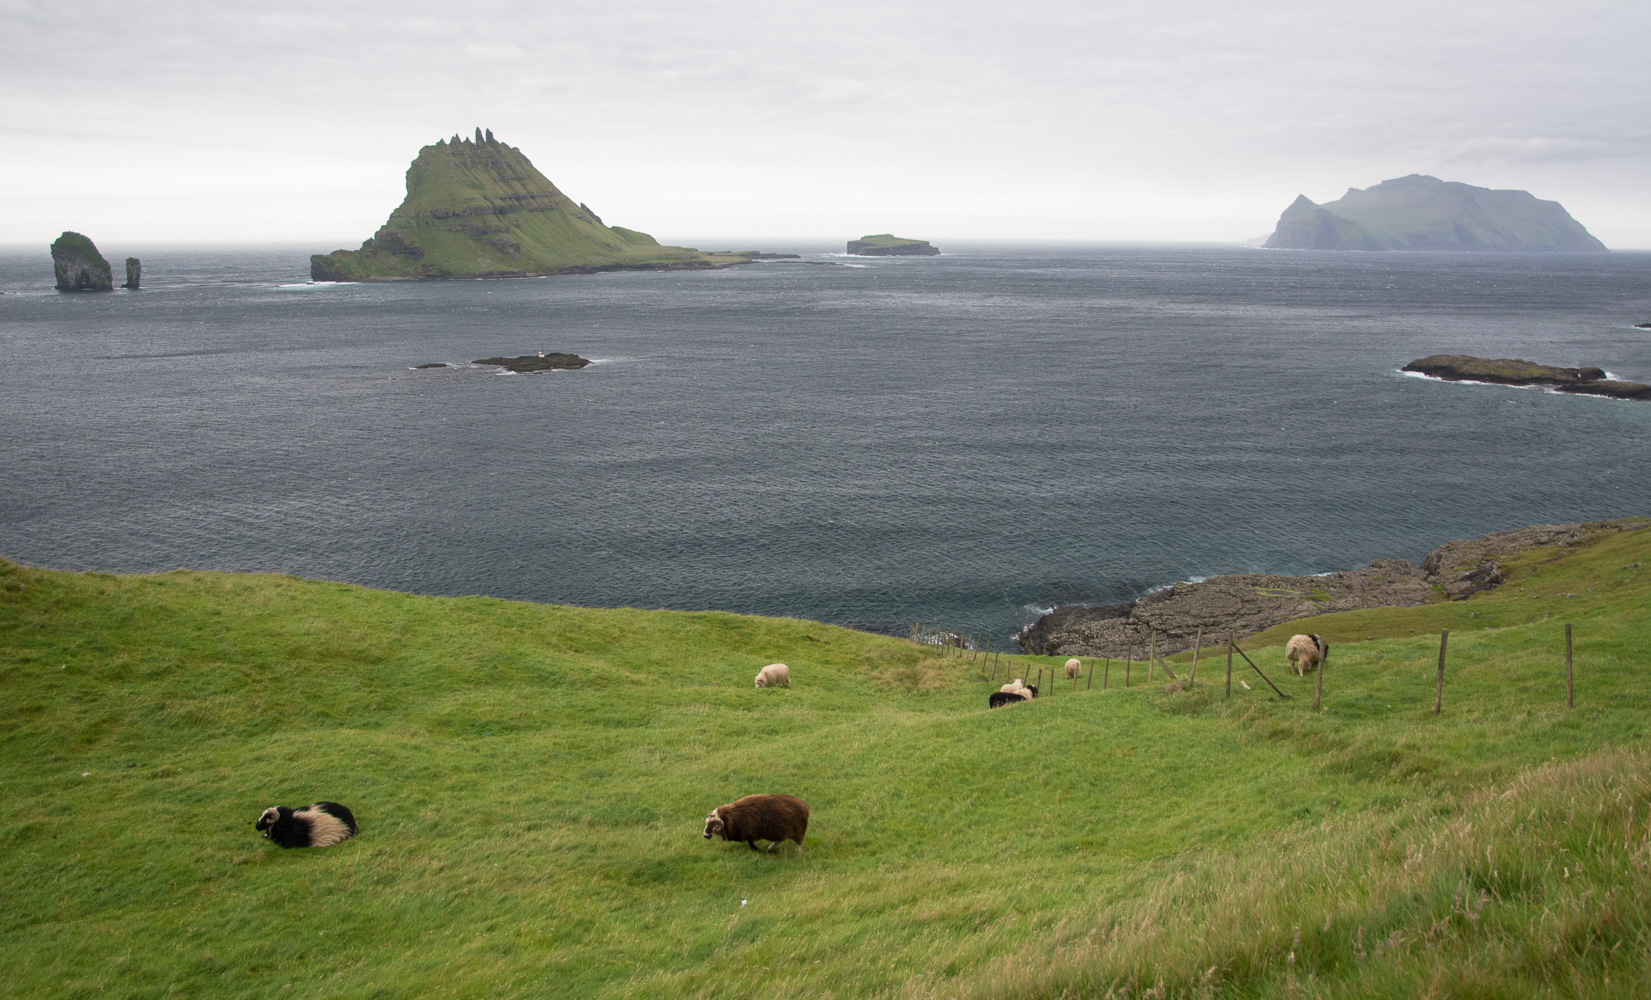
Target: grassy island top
75	243
886	240
477	208
531	782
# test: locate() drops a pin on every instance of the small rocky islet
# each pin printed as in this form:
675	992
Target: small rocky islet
79	267
889	245
526	364
1517	371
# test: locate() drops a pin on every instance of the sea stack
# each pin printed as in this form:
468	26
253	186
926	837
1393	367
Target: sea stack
1425	213
134	273
888	245
79	267
477	208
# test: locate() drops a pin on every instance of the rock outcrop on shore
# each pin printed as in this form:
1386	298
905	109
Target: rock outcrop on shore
1246	603
1425	213
1515	371
78	265
134	273
888	245
477	208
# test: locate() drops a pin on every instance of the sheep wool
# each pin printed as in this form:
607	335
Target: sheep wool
774	675
320	825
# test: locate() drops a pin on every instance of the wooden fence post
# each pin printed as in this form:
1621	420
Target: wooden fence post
1152	652
1257	669
1091	681
1570	691
1106	670
1439	688
1229	664
995	657
1040	679
1318	688
1196	645
1129	656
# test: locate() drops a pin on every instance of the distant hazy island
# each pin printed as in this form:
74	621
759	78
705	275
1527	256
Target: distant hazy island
1514	371
476	208
1426	213
888	245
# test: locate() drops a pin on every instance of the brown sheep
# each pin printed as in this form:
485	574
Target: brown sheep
1305	652
773	818
1074	667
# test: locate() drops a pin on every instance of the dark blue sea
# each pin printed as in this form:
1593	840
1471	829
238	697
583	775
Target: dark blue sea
964	440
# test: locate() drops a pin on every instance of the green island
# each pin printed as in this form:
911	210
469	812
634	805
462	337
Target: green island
1419	212
477	208
531	781
78	266
888	245
1515	371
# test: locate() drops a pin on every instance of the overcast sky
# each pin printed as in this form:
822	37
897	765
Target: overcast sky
1179	120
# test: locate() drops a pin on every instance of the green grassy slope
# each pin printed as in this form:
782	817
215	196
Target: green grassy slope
531	782
479	208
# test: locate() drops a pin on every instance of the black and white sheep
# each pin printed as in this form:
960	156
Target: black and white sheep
320	825
773	818
1011	693
1305	652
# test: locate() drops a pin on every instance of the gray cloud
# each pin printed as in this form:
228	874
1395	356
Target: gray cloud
1182	120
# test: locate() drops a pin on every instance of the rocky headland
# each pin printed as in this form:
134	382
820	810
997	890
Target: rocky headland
78	265
888	245
1515	371
477	208
1425	213
1246	603
528	363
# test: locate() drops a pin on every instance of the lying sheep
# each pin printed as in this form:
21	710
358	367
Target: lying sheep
1011	693
774	675
773	818
1305	652
1074	667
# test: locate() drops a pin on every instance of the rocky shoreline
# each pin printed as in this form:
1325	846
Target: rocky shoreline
1247	603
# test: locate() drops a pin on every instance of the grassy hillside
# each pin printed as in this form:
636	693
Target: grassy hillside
531	782
478	208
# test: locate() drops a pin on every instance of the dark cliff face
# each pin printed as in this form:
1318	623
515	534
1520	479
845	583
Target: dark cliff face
1424	213
78	265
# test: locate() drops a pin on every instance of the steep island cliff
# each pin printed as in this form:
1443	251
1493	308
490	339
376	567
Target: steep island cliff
78	266
477	208
1515	371
888	245
1425	213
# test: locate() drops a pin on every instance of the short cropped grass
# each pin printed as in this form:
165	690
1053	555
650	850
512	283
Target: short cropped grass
531	782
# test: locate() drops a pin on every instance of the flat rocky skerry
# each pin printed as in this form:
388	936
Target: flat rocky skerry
1516	371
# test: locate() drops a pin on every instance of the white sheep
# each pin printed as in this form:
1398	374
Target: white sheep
1305	652
1074	667
774	675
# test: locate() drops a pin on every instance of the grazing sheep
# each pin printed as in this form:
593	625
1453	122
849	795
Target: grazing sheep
320	825
774	675
998	699
1015	685
773	818
1074	667
1305	652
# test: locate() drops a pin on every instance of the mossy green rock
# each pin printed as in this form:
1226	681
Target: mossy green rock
78	265
477	208
1425	213
889	245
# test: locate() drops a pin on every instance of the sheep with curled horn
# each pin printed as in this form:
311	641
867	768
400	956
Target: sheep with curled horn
320	825
774	818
